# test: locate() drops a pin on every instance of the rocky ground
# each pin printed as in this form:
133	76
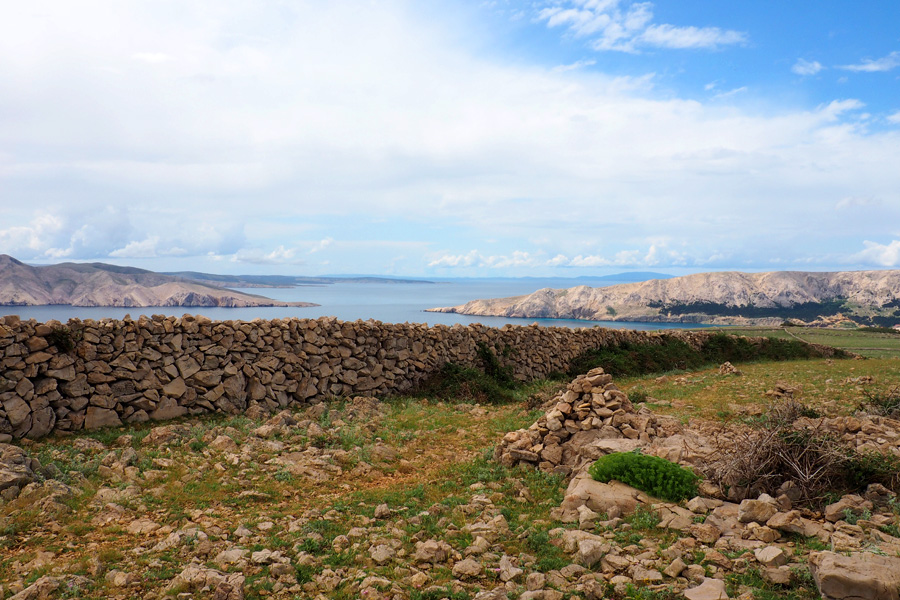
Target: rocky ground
416	499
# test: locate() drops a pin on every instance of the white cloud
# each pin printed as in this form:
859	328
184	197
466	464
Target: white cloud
278	256
880	255
273	129
33	238
669	36
806	67
856	202
457	260
656	254
626	26
142	249
885	63
730	93
836	108
321	245
580	64
151	57
894	118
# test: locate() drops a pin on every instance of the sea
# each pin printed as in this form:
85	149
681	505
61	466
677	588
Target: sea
389	302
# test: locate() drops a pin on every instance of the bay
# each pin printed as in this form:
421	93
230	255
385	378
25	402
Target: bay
393	302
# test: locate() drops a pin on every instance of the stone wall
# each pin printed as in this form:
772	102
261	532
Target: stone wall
90	374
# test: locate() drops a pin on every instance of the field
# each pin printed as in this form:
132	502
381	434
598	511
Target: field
865	343
359	498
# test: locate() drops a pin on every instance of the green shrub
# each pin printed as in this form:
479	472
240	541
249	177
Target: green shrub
671	354
455	382
492	367
890	330
651	474
63	338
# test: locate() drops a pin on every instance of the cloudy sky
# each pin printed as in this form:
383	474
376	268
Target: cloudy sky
434	138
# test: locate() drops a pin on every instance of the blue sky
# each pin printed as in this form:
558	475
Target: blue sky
496	138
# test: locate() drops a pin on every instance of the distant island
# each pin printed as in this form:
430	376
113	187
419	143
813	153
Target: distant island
282	281
724	298
99	284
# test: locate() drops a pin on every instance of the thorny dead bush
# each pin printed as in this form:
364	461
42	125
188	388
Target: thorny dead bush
779	449
882	403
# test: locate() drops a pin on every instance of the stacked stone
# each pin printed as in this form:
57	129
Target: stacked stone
591	409
90	374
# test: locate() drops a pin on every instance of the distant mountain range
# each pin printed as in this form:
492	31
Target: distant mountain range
864	297
282	281
99	284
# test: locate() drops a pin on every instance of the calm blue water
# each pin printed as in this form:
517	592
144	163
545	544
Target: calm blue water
387	302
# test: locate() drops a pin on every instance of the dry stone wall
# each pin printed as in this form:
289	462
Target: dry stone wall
90	374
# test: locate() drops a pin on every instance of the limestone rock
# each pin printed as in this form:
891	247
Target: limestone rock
675	568
508	570
710	589
168	408
46	586
771	556
599	497
432	551
96	418
849	504
757	511
860	576
382	553
468	567
221	586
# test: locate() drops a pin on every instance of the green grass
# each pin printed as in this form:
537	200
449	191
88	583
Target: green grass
671	354
802	589
863	341
824	384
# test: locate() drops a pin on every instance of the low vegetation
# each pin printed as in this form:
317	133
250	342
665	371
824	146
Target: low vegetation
778	450
807	311
628	360
881	342
651	474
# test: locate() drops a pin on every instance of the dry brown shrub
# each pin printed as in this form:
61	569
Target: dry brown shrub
760	459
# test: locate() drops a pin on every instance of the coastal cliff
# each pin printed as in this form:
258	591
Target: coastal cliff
98	284
719	298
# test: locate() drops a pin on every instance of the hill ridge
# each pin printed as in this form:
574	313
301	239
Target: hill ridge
716	297
101	284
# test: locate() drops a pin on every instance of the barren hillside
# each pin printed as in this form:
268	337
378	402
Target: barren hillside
727	297
98	284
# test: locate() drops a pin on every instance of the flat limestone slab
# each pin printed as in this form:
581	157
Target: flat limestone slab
860	576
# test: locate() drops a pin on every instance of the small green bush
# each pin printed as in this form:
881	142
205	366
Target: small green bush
63	338
651	474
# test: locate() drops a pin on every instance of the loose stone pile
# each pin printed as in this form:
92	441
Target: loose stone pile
591	418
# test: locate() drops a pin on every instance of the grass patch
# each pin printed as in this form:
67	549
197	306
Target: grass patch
672	354
869	342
